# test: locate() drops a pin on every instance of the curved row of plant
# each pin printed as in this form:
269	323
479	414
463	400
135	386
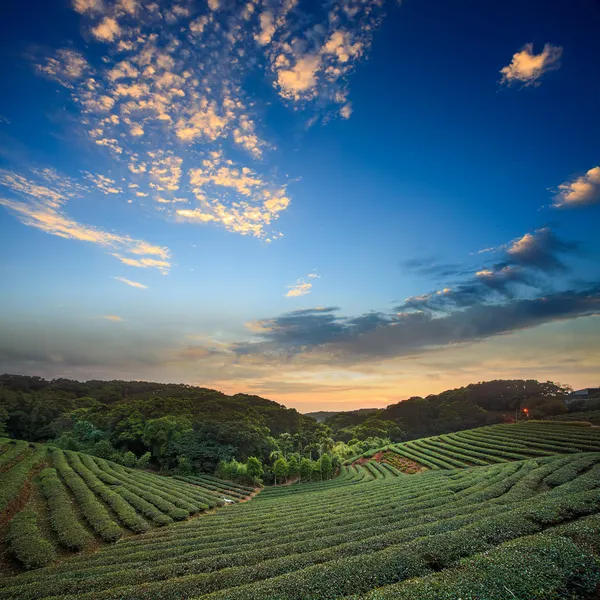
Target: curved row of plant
86	498
345	539
494	444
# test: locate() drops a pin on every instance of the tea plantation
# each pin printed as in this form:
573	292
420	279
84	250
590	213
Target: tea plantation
502	512
54	500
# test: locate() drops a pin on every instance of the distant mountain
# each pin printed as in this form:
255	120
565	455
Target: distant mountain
323	415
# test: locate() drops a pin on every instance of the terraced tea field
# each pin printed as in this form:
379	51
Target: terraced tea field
492	444
516	527
67	501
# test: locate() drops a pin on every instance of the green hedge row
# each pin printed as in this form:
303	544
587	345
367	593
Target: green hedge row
14	480
92	509
12	452
27	543
64	520
453	453
539	567
124	511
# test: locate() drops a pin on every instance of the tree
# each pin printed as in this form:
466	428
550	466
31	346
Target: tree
306	469
3	420
254	469
293	467
144	460
285	443
129	431
160	435
103	449
280	469
87	432
326	466
183	466
129	459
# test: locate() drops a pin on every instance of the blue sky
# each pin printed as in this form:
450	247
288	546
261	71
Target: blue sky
330	204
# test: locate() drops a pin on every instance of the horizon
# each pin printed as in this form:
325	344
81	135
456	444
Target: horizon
334	206
300	409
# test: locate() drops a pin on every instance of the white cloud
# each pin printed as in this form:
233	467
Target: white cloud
134	284
66	66
213	4
299	289
527	67
267	28
107	30
129	6
346	111
300	80
256	203
114	318
83	6
103	183
42	208
581	191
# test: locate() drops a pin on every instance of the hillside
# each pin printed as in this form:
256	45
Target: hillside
476	404
524	526
327	415
176	423
489	445
54	501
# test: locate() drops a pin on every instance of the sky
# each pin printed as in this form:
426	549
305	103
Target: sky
333	205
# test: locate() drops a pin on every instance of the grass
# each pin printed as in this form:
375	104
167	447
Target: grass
88	501
526	528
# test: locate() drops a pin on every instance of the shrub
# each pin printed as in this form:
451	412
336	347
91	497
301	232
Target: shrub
26	542
63	519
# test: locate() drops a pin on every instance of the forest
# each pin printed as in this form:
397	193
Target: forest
184	429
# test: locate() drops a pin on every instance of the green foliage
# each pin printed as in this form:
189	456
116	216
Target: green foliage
160	434
183	466
129	459
14	480
93	511
254	469
26	541
63	518
306	469
293	467
280	469
3	421
326	466
144	460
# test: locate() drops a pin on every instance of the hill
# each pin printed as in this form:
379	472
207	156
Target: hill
489	445
173	422
523	526
53	501
327	415
476	404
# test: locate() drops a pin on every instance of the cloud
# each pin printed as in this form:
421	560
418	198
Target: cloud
134	284
67	66
111	318
83	6
377	335
538	250
299	289
235	196
582	191
526	261
42	207
107	30
527	67
430	268
105	184
510	295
